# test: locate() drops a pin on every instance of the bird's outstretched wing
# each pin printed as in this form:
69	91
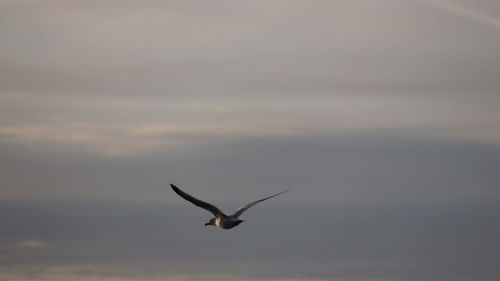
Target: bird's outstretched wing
202	204
243	208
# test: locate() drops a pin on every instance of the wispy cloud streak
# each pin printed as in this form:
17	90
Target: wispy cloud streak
32	244
465	12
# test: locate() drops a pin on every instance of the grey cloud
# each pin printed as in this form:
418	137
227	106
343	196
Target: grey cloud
353	243
172	48
362	206
382	116
350	169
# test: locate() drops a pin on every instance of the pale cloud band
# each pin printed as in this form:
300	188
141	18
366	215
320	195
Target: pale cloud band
160	124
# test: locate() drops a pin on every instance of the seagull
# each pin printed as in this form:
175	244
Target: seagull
220	219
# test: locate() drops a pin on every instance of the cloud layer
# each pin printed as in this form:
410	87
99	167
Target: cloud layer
381	116
97	241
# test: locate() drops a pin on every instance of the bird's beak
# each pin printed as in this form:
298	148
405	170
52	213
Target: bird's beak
207	224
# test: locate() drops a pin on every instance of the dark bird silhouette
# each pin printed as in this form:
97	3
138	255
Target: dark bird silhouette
220	219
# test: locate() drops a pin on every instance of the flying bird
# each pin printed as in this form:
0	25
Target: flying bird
220	219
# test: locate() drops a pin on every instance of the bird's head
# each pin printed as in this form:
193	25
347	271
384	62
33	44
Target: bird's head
210	222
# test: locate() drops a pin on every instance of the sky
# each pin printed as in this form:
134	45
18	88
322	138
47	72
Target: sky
381	116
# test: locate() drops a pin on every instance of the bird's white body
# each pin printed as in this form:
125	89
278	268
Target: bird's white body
227	223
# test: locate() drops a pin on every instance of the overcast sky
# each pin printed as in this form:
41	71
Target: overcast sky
382	116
